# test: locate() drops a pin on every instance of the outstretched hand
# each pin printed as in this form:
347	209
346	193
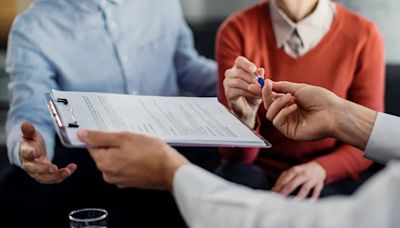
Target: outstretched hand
34	159
300	111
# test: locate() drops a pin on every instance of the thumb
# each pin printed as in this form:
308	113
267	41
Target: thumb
100	139
28	130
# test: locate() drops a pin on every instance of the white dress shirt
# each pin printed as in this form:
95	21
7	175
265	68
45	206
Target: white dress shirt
206	200
297	38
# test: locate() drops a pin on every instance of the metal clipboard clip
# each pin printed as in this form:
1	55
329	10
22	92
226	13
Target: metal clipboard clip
74	123
57	117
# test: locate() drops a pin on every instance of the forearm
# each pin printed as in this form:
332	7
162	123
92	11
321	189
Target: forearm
368	90
206	200
209	201
354	123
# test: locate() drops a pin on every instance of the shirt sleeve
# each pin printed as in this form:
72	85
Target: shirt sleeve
383	144
196	74
228	48
209	201
367	89
31	76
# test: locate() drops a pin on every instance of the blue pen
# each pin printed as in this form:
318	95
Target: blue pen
259	79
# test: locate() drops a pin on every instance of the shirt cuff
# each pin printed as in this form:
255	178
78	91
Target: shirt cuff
383	144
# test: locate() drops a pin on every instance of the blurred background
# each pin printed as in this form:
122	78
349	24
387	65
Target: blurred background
205	16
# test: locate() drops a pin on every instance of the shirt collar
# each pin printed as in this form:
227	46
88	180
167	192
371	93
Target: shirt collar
284	27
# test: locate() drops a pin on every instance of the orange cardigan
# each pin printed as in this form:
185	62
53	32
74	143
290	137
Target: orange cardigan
349	61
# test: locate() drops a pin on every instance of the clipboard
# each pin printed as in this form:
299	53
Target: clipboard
66	121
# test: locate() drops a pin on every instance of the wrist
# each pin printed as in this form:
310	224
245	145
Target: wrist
340	118
173	162
354	124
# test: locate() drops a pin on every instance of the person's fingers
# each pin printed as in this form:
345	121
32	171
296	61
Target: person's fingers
100	155
293	184
71	167
48	173
96	152
317	191
68	170
277	106
306	189
100	139
283	115
238	83
39	168
28	131
284	178
240	73
108	178
255	89
50	178
286	87
243	63
267	94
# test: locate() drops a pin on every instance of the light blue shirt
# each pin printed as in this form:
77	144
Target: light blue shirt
132	46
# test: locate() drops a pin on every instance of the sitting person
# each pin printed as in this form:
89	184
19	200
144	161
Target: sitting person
316	42
131	47
209	201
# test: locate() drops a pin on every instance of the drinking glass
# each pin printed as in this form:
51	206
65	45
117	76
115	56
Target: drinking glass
88	218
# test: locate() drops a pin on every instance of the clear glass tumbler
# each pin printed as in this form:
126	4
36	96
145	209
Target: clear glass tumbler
88	218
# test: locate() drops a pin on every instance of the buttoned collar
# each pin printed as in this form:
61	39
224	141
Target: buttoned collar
284	27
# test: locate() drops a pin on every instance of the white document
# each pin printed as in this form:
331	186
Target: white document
179	121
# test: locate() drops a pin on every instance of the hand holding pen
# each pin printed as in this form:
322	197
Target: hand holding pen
242	86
